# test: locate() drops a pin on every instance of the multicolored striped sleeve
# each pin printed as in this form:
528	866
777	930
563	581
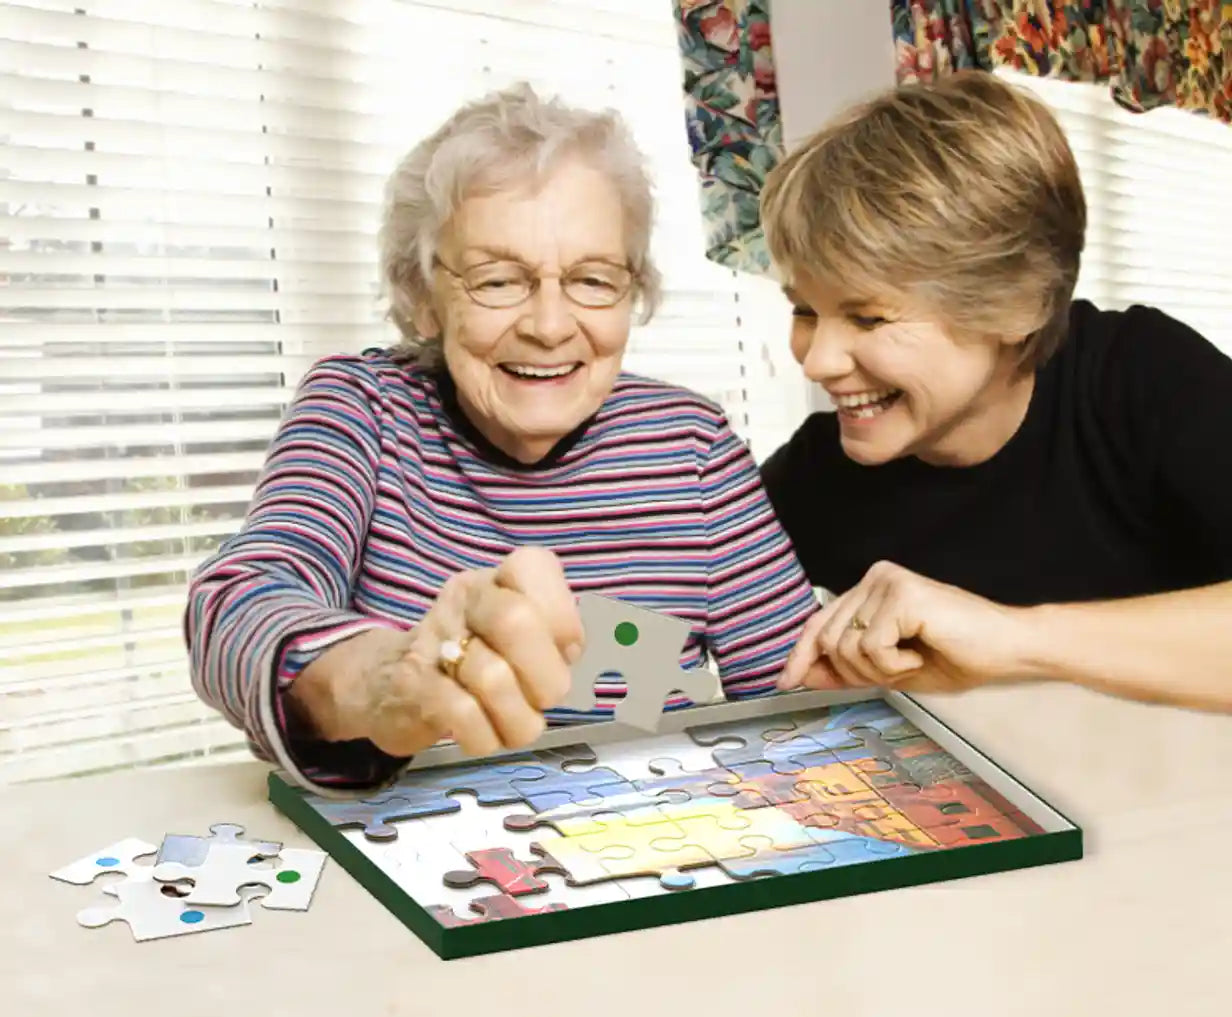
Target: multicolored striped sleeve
758	595
278	593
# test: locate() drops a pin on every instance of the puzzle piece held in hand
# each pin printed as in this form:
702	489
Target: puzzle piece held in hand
644	647
153	911
501	867
118	857
228	867
190	850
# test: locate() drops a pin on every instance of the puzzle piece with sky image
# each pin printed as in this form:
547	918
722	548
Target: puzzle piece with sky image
190	850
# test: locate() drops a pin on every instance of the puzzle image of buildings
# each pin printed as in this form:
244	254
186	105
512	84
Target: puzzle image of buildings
760	798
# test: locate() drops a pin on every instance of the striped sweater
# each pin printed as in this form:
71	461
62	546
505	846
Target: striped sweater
377	488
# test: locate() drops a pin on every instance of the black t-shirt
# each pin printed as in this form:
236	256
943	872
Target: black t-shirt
1117	483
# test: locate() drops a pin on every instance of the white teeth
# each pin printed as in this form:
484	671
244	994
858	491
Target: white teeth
529	371
862	398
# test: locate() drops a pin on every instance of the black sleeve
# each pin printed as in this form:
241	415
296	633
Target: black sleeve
1183	394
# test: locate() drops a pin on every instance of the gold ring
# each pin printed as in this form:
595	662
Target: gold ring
449	657
859	624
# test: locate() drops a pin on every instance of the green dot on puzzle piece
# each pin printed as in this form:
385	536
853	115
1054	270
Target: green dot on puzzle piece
288	876
626	633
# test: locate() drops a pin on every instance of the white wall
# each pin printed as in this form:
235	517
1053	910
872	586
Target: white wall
828	54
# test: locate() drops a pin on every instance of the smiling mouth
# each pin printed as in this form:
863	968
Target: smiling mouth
533	372
864	405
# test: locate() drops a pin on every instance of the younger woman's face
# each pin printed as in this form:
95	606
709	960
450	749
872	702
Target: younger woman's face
901	384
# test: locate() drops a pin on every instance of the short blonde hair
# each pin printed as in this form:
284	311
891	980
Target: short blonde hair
962	194
506	139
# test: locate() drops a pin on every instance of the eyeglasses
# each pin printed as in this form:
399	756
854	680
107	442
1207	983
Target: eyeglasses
504	284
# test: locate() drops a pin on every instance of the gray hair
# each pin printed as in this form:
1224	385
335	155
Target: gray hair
505	138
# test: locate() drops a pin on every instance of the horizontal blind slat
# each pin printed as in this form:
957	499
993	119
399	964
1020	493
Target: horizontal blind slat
116	536
123	501
123	749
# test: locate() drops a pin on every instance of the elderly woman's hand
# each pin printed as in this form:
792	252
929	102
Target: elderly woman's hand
896	628
520	629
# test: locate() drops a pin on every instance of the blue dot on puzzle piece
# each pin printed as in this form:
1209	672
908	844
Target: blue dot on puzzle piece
107	862
192	917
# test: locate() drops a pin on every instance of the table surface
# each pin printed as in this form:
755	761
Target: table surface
1141	925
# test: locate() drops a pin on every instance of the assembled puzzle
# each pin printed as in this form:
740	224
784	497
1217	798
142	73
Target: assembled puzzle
728	808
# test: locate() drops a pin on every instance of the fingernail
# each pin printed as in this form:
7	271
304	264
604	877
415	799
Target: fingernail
573	652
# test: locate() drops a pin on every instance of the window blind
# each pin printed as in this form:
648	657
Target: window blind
189	198
1159	206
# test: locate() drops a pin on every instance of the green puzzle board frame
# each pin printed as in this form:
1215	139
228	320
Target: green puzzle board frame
1061	841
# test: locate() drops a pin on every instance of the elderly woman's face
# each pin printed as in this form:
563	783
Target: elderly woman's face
529	373
901	384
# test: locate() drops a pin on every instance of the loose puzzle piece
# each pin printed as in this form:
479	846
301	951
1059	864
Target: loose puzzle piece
228	867
189	850
118	857
644	647
501	867
293	880
152	913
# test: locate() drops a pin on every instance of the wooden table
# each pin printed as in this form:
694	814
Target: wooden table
1142	925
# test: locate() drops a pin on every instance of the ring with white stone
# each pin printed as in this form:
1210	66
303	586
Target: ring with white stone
449	657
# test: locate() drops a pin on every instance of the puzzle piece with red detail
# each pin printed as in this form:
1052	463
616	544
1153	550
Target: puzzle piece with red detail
963	812
505	870
488	909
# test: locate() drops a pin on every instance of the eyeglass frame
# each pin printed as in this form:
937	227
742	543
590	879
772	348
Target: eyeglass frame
536	281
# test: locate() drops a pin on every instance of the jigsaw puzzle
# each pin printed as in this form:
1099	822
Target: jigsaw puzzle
831	797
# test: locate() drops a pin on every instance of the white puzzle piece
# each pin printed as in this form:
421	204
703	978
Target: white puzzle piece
292	881
152	914
118	857
644	647
191	850
291	878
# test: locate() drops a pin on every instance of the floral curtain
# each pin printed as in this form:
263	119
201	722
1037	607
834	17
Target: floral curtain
1151	53
732	111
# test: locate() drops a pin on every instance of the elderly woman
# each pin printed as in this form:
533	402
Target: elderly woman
1015	484
408	566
